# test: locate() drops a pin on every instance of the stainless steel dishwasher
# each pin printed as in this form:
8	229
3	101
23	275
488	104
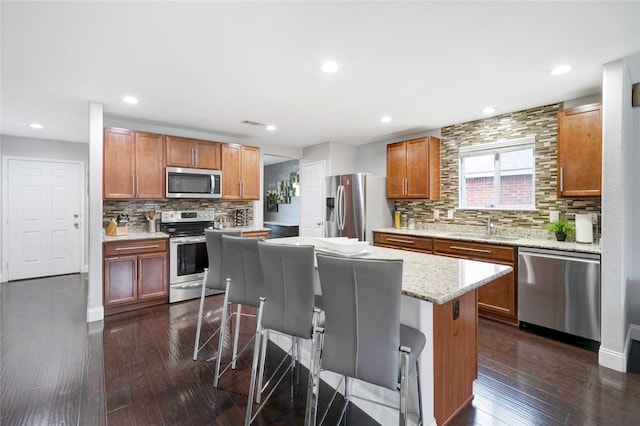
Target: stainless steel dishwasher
560	290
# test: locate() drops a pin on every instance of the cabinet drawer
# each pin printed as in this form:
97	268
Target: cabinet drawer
256	234
480	251
123	248
423	244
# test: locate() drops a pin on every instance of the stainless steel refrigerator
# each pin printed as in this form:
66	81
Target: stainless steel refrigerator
355	205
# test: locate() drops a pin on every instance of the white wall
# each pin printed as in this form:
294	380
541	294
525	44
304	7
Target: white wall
617	200
633	288
15	146
95	309
343	158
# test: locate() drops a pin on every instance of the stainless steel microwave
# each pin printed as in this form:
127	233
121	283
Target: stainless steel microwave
183	182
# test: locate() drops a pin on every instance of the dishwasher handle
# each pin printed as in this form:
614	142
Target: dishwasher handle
559	257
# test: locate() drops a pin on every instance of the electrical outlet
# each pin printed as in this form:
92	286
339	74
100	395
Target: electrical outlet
554	216
594	218
436	214
450	214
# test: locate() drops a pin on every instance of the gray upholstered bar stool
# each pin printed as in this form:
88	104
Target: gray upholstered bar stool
287	308
363	338
244	286
212	278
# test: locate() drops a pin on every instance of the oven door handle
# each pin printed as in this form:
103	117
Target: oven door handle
186	286
187	241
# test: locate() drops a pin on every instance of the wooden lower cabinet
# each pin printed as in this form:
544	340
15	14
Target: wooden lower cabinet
497	300
135	275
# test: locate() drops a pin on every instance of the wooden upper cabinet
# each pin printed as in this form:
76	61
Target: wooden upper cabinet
240	172
580	151
119	164
133	164
413	169
184	152
150	174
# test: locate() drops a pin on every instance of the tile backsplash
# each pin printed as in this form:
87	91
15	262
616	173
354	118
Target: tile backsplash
137	208
540	122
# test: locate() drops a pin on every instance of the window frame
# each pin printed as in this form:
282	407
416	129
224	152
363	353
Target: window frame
496	149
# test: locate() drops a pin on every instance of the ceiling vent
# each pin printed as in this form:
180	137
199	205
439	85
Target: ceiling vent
253	123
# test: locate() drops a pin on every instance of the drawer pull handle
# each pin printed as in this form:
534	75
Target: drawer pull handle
400	240
470	249
136	248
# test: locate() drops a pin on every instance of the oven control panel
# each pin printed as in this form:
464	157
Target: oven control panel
187	216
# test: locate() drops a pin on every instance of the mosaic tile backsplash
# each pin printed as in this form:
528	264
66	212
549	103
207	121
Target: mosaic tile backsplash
137	208
540	122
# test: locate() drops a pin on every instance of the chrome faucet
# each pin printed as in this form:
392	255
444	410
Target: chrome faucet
490	226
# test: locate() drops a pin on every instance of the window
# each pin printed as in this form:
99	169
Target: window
498	175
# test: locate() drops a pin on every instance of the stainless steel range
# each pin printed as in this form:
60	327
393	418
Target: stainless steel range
187	251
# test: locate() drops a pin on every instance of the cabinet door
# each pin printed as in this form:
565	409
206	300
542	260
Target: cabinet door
149	165
396	169
417	185
499	296
250	173
120	280
180	152
580	151
152	276
231	172
118	164
207	155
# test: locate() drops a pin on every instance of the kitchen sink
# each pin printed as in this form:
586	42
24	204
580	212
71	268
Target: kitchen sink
486	237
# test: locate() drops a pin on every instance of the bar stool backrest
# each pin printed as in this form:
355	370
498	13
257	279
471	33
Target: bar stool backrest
241	263
213	238
289	291
361	300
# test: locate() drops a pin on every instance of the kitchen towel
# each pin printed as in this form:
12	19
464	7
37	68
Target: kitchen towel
584	228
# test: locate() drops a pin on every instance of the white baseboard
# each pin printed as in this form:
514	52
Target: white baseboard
611	359
95	314
634	332
618	360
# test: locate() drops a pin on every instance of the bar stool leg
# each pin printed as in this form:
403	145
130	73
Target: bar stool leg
200	311
263	356
223	329
235	339
254	364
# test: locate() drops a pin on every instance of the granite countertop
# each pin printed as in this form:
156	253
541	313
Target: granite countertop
526	241
133	235
435	279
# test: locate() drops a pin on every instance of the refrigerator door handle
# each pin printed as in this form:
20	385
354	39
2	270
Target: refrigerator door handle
341	209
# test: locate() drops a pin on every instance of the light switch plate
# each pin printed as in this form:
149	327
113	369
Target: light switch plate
554	216
450	214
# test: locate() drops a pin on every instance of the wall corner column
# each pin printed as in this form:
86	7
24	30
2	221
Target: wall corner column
95	309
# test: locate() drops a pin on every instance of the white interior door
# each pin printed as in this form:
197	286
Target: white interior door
311	198
43	218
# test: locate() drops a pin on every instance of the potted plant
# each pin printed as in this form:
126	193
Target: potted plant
561	228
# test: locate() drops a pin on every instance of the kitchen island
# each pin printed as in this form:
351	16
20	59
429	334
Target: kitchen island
439	298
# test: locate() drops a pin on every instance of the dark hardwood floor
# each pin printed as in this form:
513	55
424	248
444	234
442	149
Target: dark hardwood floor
52	370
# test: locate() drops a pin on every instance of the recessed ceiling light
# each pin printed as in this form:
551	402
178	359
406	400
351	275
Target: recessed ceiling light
130	100
561	69
36	126
489	110
329	66
271	127
385	119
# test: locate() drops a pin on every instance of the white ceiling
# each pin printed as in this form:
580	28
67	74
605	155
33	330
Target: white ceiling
207	66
